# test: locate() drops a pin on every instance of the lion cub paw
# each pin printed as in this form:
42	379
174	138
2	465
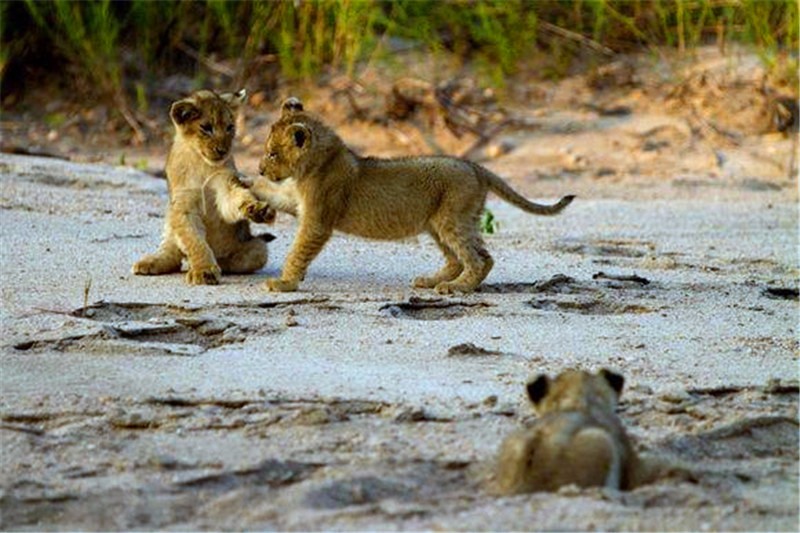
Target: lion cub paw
281	285
423	282
259	212
451	287
147	266
203	276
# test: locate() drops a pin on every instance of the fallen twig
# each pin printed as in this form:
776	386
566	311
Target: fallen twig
86	288
22	429
577	37
484	137
20	150
219	68
115	237
707	127
621	277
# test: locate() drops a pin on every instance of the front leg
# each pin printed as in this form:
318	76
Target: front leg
237	202
309	241
190	234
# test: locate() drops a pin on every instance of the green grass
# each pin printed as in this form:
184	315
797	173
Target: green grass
87	35
488	223
118	49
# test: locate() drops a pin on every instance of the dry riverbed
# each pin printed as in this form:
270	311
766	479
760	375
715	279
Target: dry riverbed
359	403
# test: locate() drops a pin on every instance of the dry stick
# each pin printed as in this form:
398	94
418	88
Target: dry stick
209	63
581	39
22	429
484	137
86	288
122	107
488	134
621	277
428	138
50	311
21	150
706	126
359	112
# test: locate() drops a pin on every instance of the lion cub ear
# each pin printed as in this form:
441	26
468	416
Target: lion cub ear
184	111
235	99
291	105
537	389
300	134
614	380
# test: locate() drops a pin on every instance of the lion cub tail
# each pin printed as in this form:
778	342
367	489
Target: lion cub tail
504	191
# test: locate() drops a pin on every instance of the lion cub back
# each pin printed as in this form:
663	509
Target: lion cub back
578	439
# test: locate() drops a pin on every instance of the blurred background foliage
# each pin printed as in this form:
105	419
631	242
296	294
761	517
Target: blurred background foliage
118	50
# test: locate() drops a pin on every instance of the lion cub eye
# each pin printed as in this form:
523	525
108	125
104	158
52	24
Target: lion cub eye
230	128
273	156
206	128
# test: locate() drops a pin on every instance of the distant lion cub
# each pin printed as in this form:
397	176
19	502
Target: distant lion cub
578	439
382	199
208	203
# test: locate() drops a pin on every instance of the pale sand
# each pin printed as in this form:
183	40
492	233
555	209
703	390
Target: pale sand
177	407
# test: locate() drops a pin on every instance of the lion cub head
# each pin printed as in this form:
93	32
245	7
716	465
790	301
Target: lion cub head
207	121
298	144
576	390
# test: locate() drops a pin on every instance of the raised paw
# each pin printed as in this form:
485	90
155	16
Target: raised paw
203	276
281	285
259	212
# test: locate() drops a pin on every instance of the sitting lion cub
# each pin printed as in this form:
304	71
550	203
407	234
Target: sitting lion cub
578	439
208	203
382	199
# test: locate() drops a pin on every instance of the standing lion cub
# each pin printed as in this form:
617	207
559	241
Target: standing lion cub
208	203
383	199
578	439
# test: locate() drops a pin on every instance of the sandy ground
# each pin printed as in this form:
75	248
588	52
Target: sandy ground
345	406
359	403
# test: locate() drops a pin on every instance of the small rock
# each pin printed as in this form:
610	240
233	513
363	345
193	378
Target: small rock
468	348
213	327
675	396
500	148
604	171
410	414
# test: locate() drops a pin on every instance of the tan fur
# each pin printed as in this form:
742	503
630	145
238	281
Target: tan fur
208	203
578	439
383	199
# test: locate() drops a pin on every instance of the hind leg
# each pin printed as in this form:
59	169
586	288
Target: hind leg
165	260
448	272
468	248
251	256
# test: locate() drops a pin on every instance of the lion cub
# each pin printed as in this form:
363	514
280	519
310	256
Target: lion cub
383	199
578	439
208	203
